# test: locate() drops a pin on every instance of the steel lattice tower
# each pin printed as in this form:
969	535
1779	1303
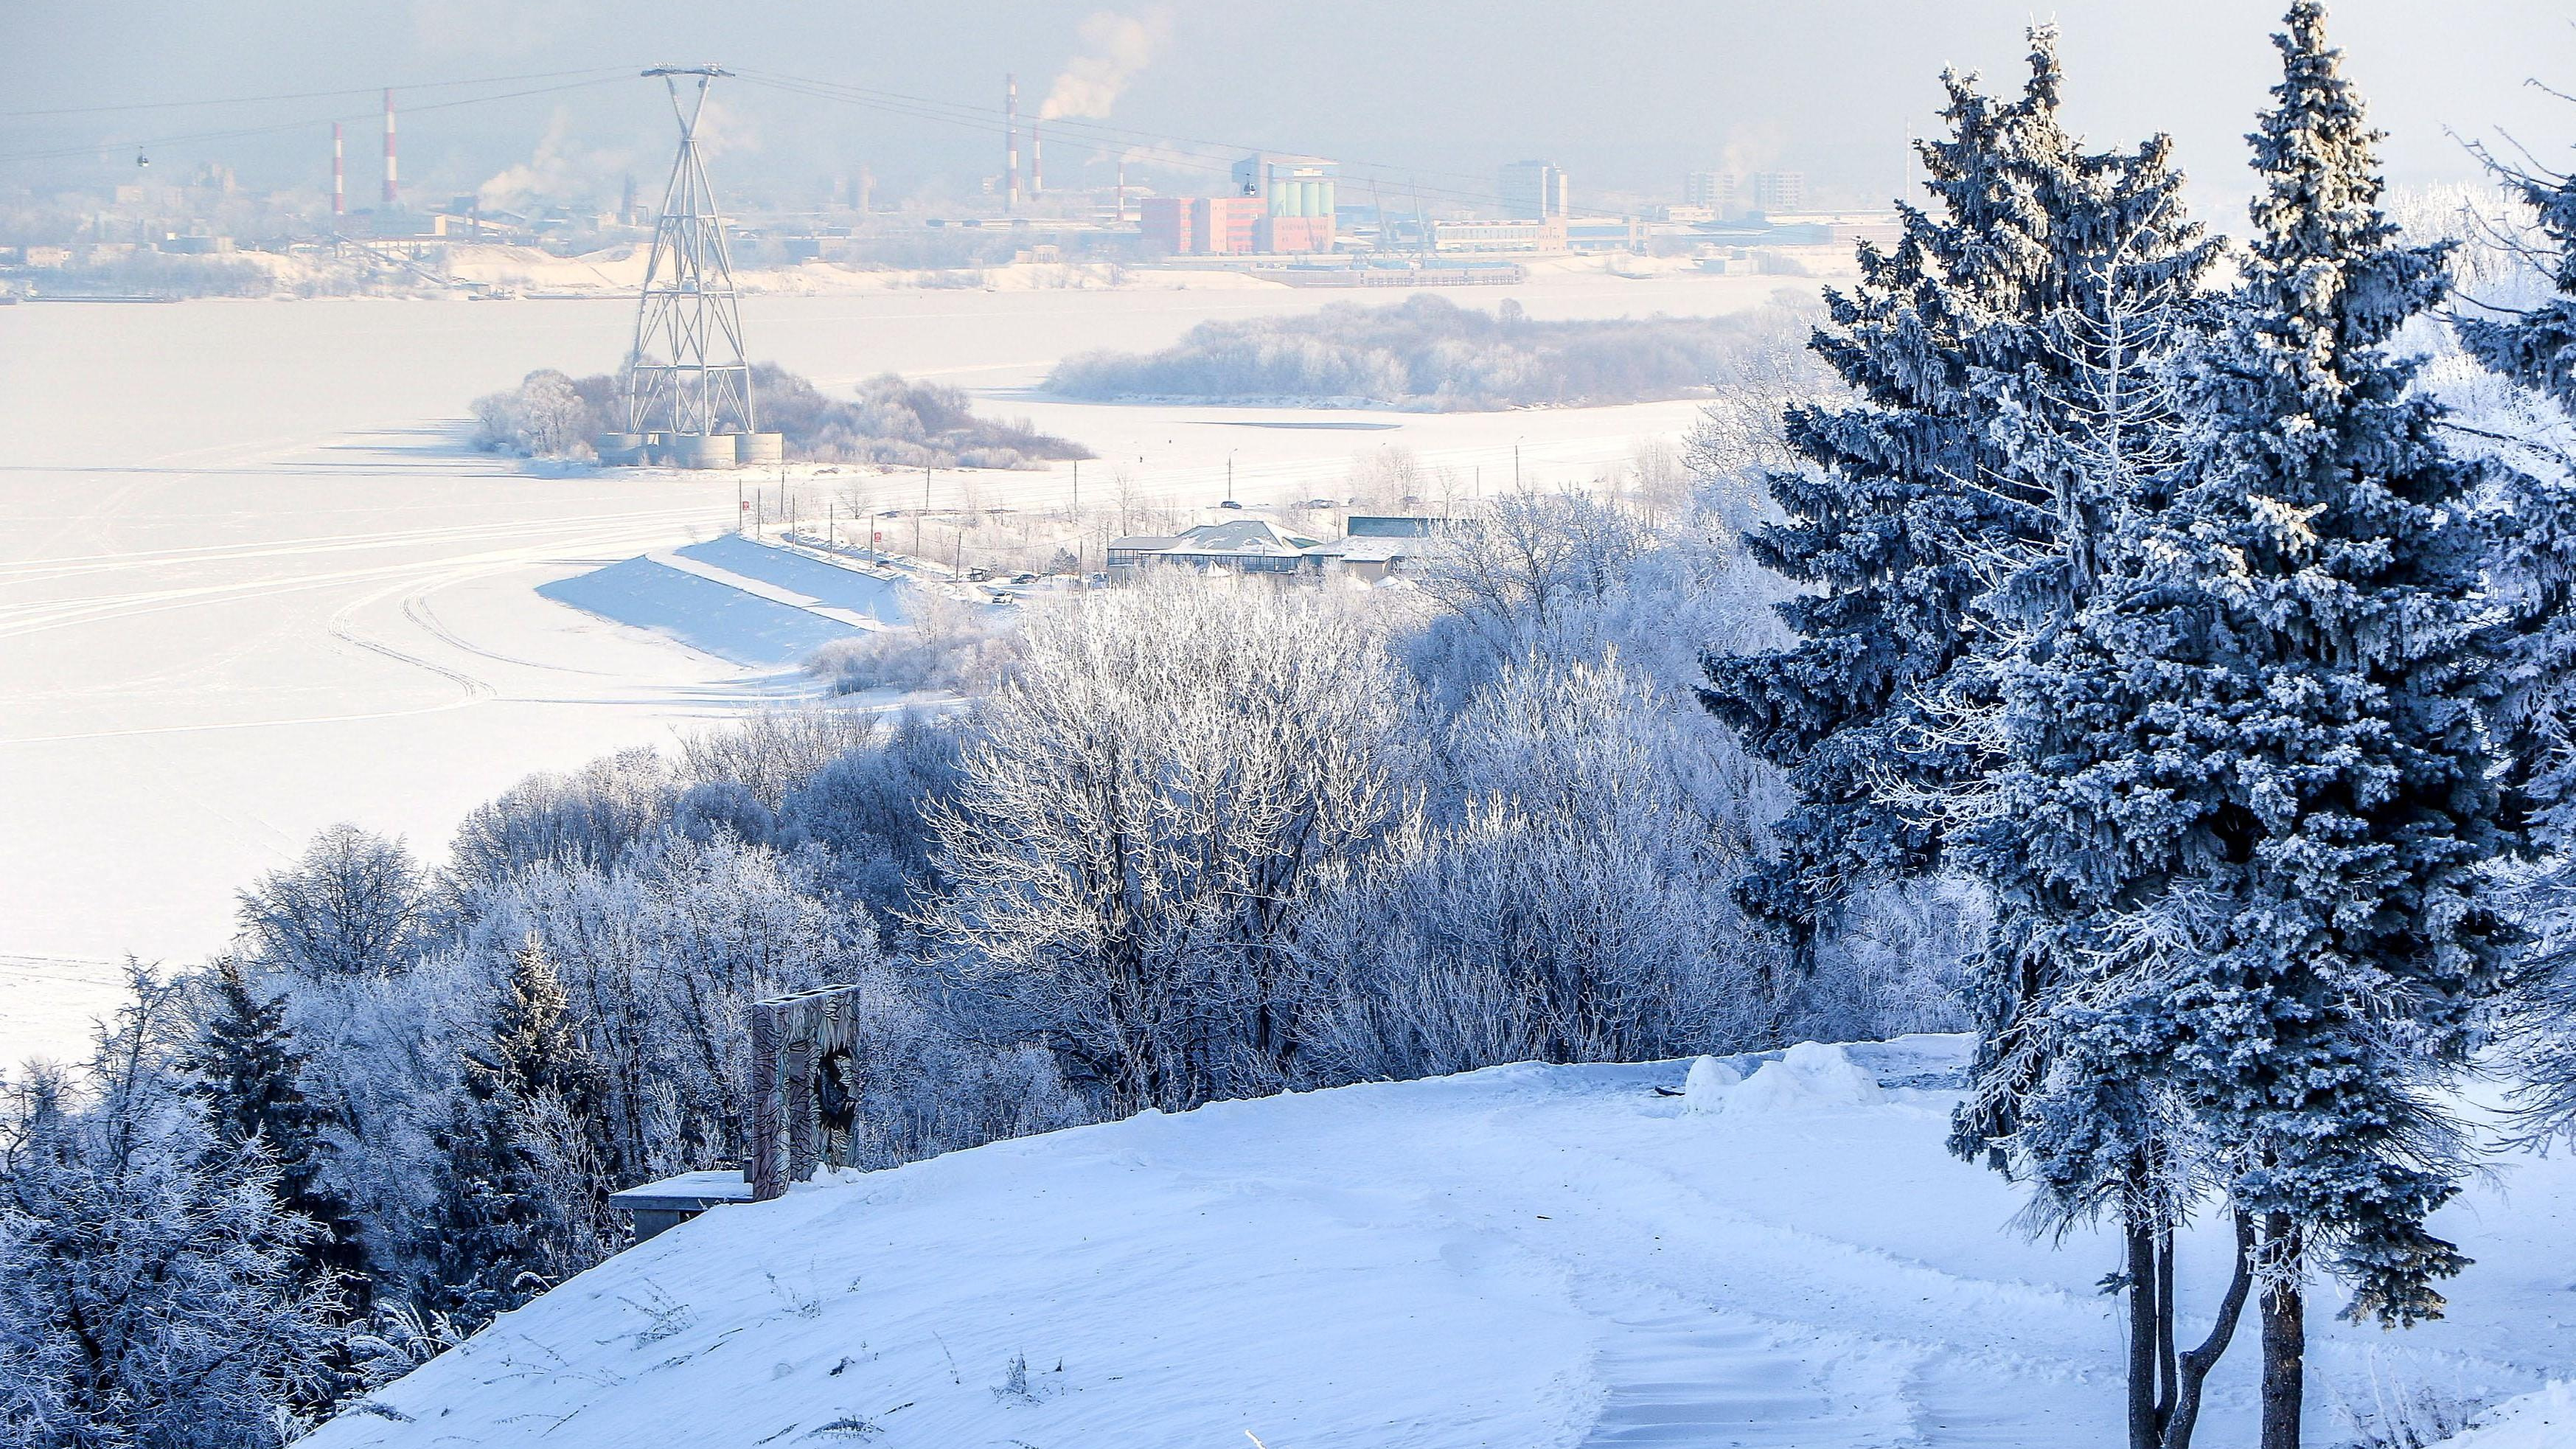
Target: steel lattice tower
686	374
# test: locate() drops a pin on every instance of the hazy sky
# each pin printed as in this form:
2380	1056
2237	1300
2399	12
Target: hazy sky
1625	95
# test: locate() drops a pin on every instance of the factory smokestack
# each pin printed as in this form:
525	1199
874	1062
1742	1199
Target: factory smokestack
339	173
392	183
1037	163
1011	135
1122	191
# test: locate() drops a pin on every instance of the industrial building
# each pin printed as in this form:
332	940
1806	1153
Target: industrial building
1203	225
1535	191
1534	237
1282	205
1297	196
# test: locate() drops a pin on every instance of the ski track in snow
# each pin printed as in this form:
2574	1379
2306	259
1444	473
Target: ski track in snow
1523	1258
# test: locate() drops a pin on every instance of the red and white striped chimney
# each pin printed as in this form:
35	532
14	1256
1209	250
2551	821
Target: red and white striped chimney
1037	164
339	174
1011	134
391	183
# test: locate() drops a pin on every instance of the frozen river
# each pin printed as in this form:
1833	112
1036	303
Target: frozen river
253	583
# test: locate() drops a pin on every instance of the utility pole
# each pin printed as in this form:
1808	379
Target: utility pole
1229	475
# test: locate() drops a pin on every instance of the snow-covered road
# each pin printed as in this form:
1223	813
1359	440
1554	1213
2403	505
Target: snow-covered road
1519	1258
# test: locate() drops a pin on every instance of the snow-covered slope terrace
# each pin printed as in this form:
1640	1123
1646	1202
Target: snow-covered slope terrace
1521	1257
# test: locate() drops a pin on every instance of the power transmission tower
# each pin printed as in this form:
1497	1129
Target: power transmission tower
687	374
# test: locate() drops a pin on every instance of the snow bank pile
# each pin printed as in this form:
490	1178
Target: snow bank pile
2545	1420
1809	1077
1710	1080
1524	1256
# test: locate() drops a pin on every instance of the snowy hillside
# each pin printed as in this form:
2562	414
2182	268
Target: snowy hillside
1519	1257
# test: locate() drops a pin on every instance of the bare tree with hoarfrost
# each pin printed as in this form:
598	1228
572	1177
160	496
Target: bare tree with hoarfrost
1564	896
1529	566
1154	799
350	907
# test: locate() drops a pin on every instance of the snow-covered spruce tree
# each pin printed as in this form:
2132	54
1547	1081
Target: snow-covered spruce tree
151	1294
523	1204
2282	765
249	1072
2531	569
1910	509
2061	1096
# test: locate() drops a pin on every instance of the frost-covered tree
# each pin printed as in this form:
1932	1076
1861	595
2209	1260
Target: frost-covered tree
2060	1100
1154	798
660	958
151	1289
524	1201
2531	570
351	906
2261	844
249	1071
2062	1096
545	416
585	819
1563	895
1909	507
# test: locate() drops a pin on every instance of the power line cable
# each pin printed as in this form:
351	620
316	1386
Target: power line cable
163	142
490	80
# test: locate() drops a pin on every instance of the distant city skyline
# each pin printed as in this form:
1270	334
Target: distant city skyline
1446	93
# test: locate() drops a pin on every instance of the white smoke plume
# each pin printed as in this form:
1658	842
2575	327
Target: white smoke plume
1115	48
561	169
1752	148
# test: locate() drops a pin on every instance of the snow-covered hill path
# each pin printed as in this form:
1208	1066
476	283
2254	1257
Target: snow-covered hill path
1515	1258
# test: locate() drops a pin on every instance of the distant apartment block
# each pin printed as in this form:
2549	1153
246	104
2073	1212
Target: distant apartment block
1712	190
1727	196
1535	191
1773	192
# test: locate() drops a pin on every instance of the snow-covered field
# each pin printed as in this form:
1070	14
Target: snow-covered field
252	584
1515	1259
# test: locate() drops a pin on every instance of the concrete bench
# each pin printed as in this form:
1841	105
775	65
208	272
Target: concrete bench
659	1206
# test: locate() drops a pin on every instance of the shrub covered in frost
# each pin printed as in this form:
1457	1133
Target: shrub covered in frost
1430	353
892	421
